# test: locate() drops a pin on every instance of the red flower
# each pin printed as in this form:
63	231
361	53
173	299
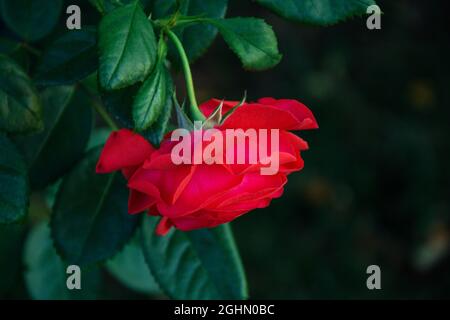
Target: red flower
192	196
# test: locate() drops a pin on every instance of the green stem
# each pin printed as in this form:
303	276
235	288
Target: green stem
98	107
31	49
195	111
105	116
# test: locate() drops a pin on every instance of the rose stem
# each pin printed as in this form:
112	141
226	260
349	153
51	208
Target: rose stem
98	107
196	113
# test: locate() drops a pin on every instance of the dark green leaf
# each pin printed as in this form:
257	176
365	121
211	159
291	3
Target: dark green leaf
13	183
46	275
98	137
151	98
119	105
99	5
320	12
251	39
163	8
201	264
31	19
70	58
91	84
68	122
20	108
50	193
127	47
106	6
10	255
16	51
7	46
157	131
90	220
198	38
129	267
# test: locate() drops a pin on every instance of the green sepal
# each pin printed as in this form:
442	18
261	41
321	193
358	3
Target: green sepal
183	120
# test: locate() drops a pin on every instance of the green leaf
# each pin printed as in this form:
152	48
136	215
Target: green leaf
201	264
99	5
151	98
129	267
70	58
10	256
119	102
46	276
90	220
13	183
90	83
163	8
157	131
196	39
50	193
319	12
106	6
68	123
251	39
20	108
8	46
16	51
31	19
127	47
98	137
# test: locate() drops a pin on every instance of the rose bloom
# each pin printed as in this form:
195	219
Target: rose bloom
193	196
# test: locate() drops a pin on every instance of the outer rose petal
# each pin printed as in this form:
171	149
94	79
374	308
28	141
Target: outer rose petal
129	171
200	219
123	149
255	191
138	202
209	106
268	113
301	112
289	158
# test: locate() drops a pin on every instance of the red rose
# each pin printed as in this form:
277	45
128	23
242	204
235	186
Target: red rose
192	196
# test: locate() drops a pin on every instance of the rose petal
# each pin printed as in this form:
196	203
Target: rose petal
301	112
207	183
201	219
253	188
267	113
138	201
164	226
209	106
123	149
163	184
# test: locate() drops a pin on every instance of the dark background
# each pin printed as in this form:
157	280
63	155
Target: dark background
375	187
